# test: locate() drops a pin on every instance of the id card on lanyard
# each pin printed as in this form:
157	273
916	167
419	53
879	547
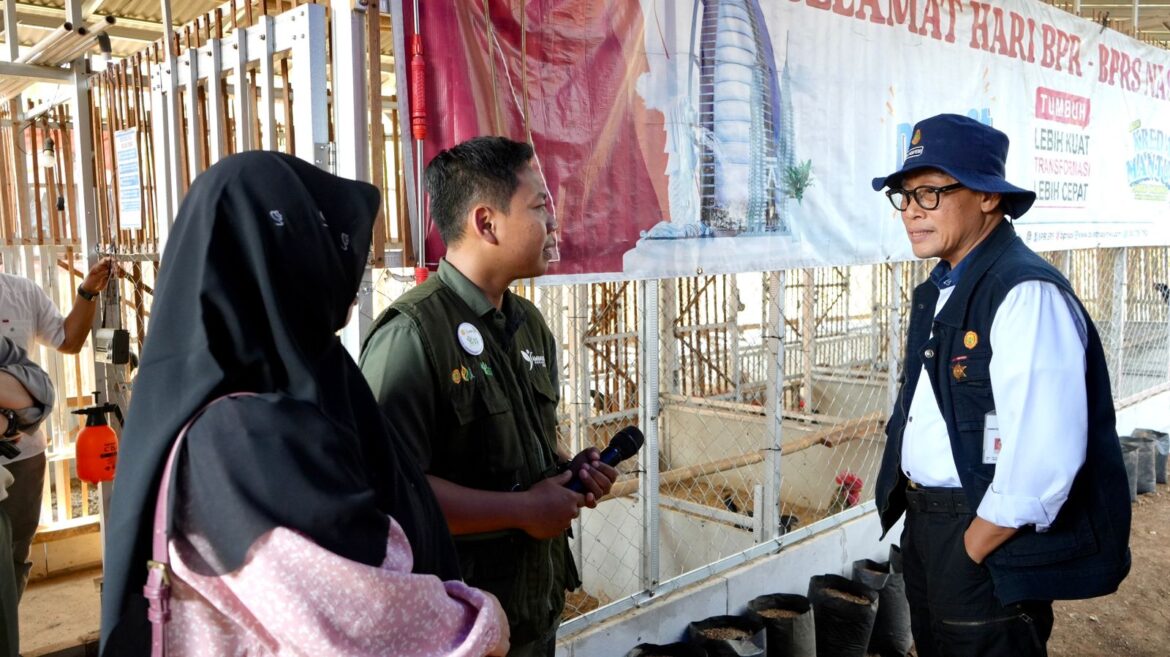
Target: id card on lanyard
991	440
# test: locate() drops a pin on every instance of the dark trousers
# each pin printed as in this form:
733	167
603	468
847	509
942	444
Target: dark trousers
23	506
953	608
9	631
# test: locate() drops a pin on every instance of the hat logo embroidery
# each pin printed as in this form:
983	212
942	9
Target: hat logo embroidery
917	138
276	217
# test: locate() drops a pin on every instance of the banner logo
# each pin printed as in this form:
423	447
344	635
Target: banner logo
1148	172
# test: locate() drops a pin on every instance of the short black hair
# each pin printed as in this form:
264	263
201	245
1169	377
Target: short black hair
479	170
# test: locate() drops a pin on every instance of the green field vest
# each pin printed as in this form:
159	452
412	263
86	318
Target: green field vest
495	429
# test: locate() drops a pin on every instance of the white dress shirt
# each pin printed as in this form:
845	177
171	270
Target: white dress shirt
27	315
1037	369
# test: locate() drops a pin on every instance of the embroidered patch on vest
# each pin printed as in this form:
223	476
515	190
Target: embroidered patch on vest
460	374
970	339
532	360
959	371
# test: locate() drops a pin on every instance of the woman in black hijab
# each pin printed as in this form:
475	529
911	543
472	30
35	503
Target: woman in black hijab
262	267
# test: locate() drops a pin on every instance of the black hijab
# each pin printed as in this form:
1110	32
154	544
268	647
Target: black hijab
263	263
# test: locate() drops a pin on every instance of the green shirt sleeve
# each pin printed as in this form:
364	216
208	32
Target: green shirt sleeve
396	366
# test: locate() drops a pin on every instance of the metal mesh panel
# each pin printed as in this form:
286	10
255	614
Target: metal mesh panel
1125	291
772	391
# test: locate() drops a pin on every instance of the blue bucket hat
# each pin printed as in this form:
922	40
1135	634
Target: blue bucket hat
968	151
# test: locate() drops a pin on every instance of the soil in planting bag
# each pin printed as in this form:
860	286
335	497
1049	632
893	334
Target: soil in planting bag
1129	456
668	650
729	636
1161	451
891	627
1145	463
788	623
844	611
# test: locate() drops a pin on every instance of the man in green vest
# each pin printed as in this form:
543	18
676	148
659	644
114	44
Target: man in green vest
467	372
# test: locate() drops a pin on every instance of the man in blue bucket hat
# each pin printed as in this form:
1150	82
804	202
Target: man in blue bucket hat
1001	448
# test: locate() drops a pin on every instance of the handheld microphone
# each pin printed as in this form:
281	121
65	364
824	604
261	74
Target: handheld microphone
622	446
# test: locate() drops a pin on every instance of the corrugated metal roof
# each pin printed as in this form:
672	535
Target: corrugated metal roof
139	22
145	10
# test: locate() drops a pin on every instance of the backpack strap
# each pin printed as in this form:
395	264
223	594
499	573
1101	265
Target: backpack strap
158	578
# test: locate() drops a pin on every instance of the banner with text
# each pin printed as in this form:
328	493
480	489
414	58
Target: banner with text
738	135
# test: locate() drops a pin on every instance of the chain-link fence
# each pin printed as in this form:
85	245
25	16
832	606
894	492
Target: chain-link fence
763	397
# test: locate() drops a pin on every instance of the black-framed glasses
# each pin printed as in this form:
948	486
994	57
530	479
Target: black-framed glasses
926	196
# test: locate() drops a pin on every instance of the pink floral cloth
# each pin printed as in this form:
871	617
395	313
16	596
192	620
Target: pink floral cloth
293	597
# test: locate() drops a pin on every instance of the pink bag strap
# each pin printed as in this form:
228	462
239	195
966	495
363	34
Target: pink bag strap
158	579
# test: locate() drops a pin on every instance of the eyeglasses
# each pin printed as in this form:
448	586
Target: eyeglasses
926	196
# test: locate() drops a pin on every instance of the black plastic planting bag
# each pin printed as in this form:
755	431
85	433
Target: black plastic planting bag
844	612
729	636
668	650
1145	462
1143	481
891	627
788	624
1161	450
1129	456
901	636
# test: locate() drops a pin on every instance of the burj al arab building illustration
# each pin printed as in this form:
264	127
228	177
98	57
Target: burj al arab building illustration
746	166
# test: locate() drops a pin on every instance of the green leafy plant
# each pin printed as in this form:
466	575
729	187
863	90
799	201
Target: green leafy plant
798	179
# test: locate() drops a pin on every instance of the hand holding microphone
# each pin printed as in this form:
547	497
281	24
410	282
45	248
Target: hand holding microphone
553	503
594	472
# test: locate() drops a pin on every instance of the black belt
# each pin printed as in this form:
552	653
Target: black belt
924	499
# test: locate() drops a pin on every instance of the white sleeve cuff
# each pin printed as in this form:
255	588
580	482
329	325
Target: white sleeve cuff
1017	510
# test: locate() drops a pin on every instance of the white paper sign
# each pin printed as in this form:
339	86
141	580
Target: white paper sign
129	178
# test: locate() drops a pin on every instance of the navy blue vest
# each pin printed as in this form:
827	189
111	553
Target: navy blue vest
1086	551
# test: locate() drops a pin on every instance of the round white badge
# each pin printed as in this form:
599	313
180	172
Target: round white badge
470	338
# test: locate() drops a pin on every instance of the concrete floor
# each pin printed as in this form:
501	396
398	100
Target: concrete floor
60	617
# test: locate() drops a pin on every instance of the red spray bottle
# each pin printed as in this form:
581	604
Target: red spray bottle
97	444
